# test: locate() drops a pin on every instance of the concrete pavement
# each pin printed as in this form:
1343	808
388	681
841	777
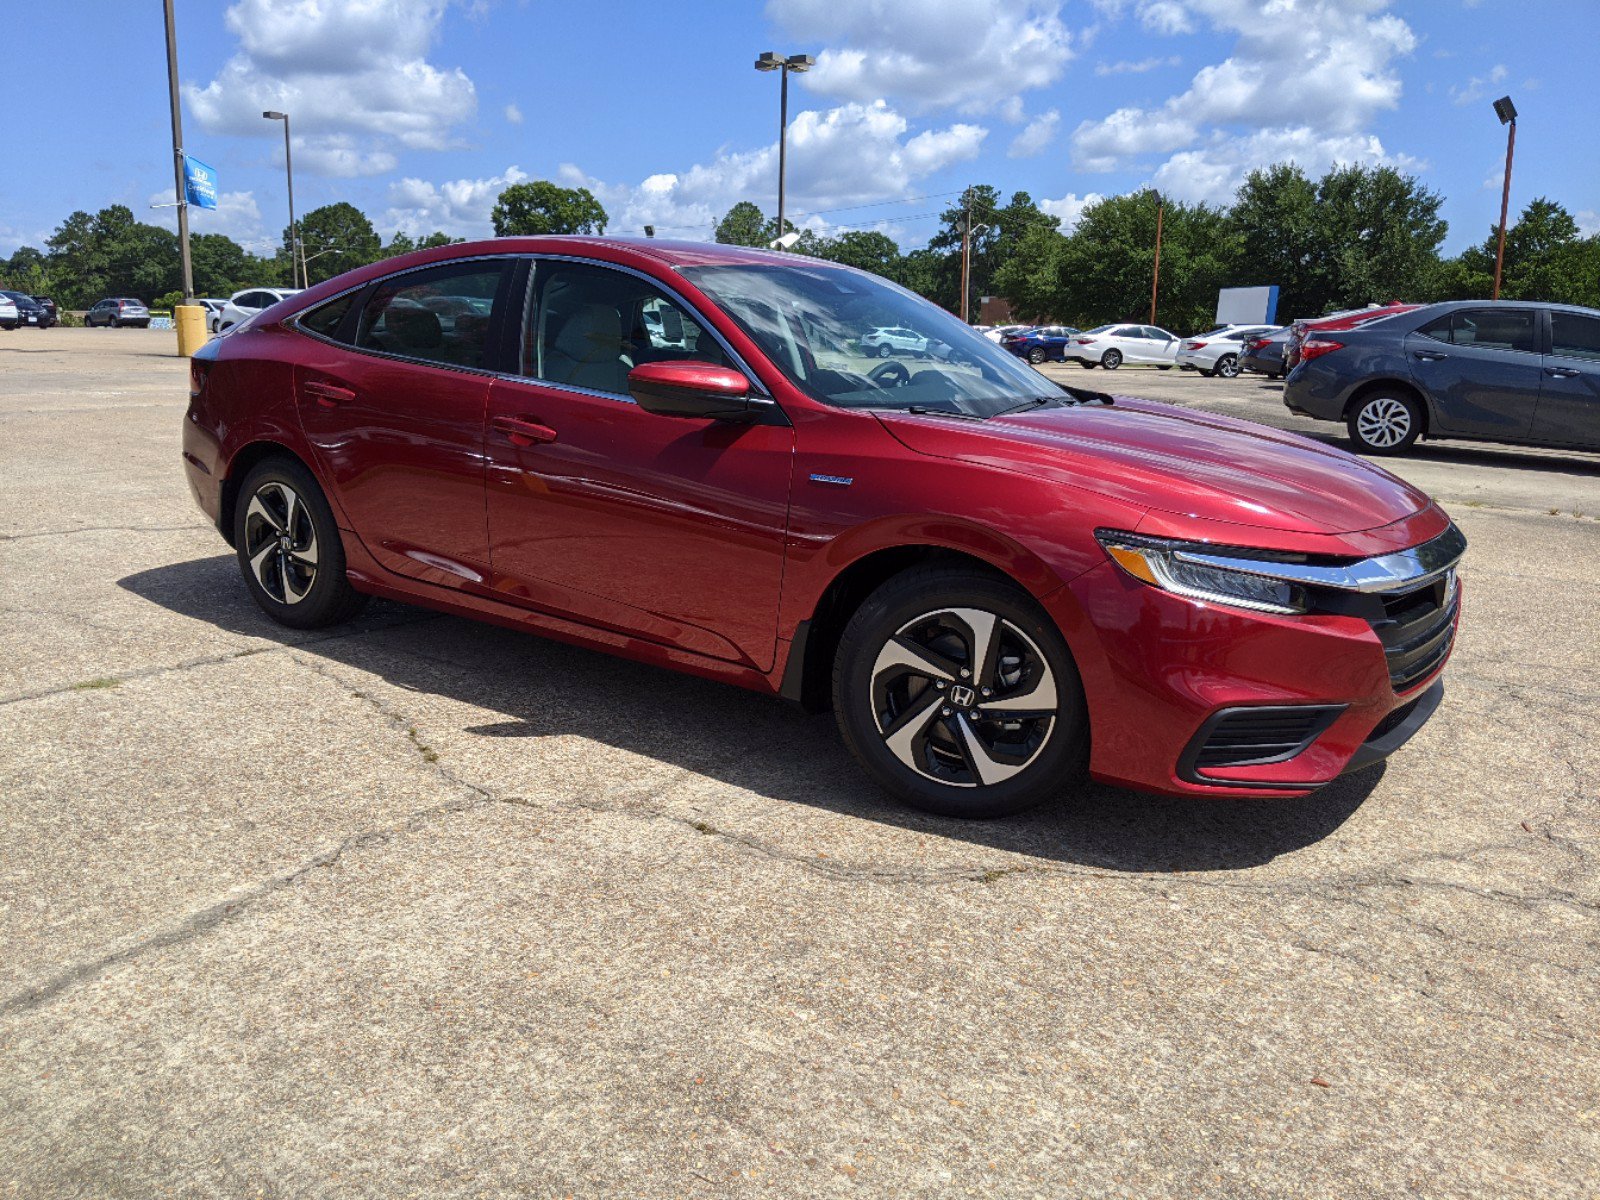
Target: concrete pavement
423	907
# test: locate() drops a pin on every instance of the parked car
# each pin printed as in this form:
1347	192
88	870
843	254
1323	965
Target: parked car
997	333
1217	352
213	307
885	341
973	566
1045	343
1350	319
241	306
49	306
9	316
1110	346
1486	370
115	314
29	311
1264	355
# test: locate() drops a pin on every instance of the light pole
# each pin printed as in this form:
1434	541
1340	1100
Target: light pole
177	156
288	170
1155	278
772	62
1507	112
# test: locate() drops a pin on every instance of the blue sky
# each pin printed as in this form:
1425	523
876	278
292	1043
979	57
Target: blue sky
420	111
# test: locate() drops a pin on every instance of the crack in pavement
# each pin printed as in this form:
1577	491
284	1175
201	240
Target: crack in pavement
45	533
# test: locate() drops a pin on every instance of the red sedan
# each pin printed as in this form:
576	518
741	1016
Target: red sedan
683	454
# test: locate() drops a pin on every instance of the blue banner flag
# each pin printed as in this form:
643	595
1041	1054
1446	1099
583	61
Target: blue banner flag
199	183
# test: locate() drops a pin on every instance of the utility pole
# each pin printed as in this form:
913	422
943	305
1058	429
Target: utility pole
966	256
1507	112
1155	278
177	156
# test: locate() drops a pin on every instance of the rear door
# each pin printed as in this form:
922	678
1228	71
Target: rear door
1569	394
1481	368
394	403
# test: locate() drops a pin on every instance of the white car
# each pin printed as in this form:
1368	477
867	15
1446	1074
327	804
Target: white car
245	304
1110	346
1000	331
213	308
1217	352
889	339
10	318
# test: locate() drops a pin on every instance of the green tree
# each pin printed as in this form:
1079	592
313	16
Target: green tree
1546	259
403	243
111	254
864	248
27	270
542	207
221	266
1381	234
336	238
1275	222
743	225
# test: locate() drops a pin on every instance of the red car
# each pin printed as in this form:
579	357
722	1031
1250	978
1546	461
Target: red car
679	453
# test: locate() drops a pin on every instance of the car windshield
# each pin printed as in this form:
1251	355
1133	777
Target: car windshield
818	324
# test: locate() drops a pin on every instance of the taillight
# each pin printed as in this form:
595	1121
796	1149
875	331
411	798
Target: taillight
199	368
1316	347
1197	345
1084	341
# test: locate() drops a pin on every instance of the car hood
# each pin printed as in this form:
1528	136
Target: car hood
1177	460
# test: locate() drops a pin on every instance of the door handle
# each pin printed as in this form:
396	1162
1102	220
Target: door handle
1430	356
522	431
1561	373
328	394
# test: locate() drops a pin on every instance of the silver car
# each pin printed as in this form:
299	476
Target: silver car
114	314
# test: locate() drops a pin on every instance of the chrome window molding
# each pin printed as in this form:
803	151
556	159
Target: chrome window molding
1403	570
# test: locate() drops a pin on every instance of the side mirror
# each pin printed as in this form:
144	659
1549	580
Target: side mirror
690	389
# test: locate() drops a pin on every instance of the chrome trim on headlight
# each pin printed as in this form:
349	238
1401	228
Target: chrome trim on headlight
1400	571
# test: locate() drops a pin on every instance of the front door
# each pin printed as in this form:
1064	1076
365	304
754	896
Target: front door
1481	367
396	414
666	528
1569	395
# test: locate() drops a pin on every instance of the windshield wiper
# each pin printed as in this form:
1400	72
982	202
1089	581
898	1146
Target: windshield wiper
1071	395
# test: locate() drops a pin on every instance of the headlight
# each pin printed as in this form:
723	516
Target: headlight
1164	564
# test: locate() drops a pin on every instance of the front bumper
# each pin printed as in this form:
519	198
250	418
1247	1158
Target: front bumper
1157	668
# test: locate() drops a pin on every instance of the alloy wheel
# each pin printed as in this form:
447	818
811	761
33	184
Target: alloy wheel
1384	422
281	542
964	697
1228	366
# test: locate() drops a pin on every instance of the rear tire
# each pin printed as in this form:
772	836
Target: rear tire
1384	422
1111	359
928	734
1087	365
1228	366
289	549
1036	356
885	351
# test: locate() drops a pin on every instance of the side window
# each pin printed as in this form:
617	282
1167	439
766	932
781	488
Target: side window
1496	329
1438	329
1575	336
591	325
440	315
1156	335
326	318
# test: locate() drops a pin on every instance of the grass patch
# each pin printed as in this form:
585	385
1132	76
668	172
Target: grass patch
429	754
90	685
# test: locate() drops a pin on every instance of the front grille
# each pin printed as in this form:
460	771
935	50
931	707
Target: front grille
1241	737
1417	629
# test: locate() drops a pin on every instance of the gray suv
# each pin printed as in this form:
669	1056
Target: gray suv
1486	370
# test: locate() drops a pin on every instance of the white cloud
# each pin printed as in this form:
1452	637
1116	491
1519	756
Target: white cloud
970	55
1474	88
1069	208
513	114
460	207
352	75
1304	80
1588	221
1165	17
1213	172
850	155
1041	131
1136	68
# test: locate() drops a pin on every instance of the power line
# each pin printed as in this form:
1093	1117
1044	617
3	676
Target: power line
819	212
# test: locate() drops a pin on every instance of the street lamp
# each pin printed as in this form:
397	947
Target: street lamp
1155	278
772	62
288	168
1507	112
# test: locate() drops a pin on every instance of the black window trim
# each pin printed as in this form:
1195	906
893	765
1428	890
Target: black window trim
1541	327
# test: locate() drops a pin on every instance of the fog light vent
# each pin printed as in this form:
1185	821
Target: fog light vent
1241	737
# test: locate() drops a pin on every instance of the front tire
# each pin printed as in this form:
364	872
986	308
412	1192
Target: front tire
1384	423
1111	359
959	696
885	350
289	548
